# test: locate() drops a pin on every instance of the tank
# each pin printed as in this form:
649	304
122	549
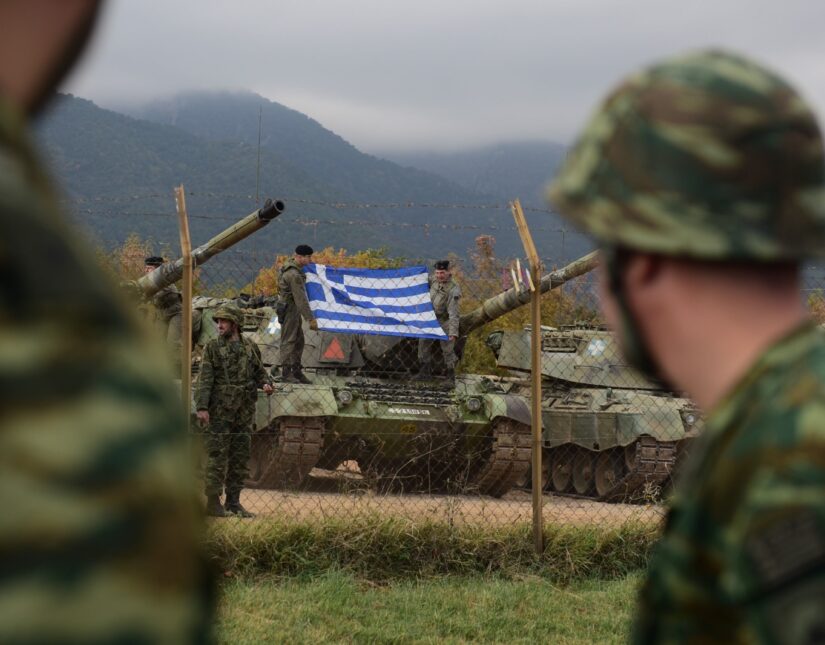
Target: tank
608	433
467	436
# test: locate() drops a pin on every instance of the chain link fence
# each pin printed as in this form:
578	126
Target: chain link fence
378	433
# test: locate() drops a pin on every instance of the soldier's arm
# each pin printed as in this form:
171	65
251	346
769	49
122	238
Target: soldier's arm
300	295
452	311
261	375
206	379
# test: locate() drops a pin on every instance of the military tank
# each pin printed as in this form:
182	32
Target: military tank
471	435
608	433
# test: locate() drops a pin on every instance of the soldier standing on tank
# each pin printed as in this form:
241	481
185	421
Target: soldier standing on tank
100	536
444	294
168	305
703	180
231	372
293	305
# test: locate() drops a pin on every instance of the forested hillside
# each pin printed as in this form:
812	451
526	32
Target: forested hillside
118	172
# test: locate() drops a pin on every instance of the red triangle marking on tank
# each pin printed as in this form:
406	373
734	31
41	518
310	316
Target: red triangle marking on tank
334	351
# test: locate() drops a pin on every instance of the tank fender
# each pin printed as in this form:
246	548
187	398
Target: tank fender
290	400
509	406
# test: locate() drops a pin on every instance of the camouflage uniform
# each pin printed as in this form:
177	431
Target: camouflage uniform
711	157
445	297
231	372
99	536
292	288
168	307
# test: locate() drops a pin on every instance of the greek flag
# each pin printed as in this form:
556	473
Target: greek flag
387	302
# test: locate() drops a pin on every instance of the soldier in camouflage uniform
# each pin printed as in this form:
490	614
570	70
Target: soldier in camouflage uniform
703	180
168	310
99	537
445	294
230	373
292	306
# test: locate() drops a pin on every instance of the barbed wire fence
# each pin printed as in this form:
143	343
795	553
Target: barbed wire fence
376	433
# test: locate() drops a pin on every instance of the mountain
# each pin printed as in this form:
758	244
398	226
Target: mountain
118	172
505	171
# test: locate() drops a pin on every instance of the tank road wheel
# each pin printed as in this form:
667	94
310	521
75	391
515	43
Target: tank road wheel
561	470
583	472
526	481
608	472
285	458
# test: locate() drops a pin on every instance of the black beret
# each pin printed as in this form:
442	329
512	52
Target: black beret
303	249
442	265
153	261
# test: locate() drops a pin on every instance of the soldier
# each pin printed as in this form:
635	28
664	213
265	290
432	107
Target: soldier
445	294
292	306
168	310
702	178
100	537
231	371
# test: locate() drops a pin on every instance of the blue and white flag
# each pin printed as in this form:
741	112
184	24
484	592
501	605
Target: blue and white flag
386	302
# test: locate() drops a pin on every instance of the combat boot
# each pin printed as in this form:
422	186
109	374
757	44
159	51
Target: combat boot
425	372
213	506
299	376
287	376
233	505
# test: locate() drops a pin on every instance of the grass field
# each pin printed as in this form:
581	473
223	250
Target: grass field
337	607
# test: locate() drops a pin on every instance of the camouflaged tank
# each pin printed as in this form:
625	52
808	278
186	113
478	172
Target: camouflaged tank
608	433
472	435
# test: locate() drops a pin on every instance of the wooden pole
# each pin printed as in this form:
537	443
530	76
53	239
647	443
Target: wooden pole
186	315
535	374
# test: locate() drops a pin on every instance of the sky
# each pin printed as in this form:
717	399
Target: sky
440	75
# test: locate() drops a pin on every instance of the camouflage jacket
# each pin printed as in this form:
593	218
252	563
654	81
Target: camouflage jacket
445	297
168	302
742	557
230	374
99	539
292	287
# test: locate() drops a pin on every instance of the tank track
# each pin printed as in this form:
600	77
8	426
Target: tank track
654	462
652	466
285	458
508	461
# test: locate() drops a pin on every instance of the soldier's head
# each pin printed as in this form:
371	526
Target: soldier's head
708	160
228	319
442	270
40	40
303	255
151	263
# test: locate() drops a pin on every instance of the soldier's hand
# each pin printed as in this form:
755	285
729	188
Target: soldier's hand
453	338
203	417
267	388
313	324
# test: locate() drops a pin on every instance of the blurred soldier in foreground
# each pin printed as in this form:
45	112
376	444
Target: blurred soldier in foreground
292	306
99	536
703	180
445	294
227	389
168	311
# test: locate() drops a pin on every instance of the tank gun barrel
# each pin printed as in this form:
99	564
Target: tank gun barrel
514	298
171	272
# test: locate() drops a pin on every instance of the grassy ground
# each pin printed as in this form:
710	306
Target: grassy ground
390	549
337	607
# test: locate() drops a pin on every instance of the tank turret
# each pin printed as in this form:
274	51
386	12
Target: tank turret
170	272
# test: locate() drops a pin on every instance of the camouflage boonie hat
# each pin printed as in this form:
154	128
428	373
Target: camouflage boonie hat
708	156
227	312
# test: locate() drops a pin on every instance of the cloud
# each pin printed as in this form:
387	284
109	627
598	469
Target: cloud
427	73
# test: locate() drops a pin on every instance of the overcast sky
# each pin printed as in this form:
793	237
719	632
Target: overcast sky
433	74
